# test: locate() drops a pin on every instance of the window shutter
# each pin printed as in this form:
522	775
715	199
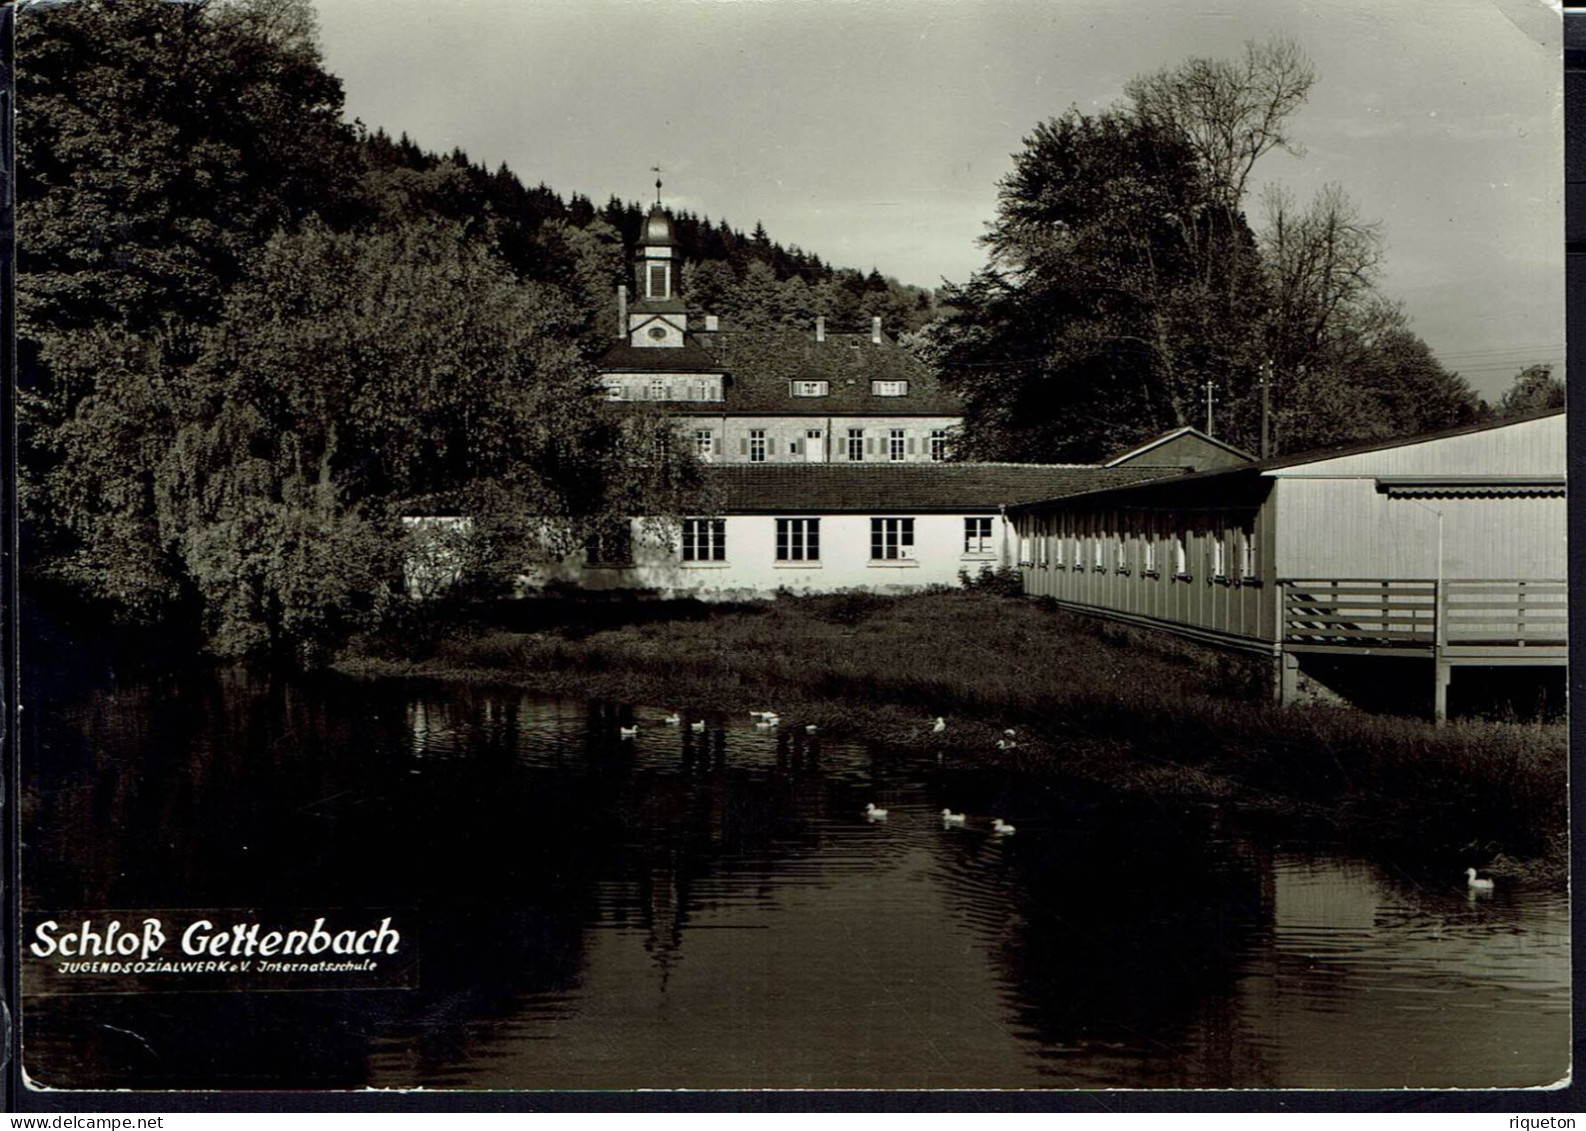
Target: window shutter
911	445
870	445
743	446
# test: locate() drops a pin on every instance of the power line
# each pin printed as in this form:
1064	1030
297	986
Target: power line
1512	348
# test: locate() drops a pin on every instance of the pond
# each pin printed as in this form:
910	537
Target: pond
682	909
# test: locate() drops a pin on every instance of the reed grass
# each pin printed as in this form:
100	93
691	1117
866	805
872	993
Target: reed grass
1129	708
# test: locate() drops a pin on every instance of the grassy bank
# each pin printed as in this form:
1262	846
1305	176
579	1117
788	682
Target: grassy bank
1135	710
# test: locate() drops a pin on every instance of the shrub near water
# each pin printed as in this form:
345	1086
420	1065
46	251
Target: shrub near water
1130	708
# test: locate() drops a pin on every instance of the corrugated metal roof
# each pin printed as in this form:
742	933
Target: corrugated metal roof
1472	487
1318	455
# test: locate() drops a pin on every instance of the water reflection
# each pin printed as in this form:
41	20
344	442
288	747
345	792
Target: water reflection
711	909
1452	980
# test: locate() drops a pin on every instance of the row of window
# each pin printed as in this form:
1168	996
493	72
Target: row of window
824	388
799	539
663	389
695	389
758	446
1081	553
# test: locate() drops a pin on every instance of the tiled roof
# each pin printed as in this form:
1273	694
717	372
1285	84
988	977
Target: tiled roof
764	363
658	306
1149	452
759	488
691	357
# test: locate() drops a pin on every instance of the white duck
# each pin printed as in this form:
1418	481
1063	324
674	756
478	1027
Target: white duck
952	820
874	814
768	720
1007	744
1001	827
628	732
672	720
1475	882
810	728
697	728
941	725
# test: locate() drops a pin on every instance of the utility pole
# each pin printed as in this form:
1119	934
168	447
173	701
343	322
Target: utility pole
1208	387
1266	409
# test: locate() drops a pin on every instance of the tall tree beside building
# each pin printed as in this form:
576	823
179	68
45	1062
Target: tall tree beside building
1124	282
162	142
1378	382
159	145
1230	112
354	373
248	334
1117	287
1345	362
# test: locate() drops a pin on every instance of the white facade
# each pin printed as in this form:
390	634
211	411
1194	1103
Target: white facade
667	330
882	553
772	438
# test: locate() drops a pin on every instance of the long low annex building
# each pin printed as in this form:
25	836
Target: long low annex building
1447	548
819	528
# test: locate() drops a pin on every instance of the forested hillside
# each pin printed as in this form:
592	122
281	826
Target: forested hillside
750	281
252	335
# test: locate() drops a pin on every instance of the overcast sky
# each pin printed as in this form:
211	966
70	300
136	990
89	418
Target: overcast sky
873	132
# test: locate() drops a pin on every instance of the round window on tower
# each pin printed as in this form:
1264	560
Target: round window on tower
657	332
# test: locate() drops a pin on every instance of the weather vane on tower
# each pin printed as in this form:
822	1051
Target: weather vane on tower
656	169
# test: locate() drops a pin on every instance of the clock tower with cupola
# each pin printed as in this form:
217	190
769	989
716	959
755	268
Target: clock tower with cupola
657	317
655	356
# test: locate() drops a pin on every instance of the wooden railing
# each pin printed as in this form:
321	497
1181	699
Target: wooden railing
1505	612
1360	612
1374	613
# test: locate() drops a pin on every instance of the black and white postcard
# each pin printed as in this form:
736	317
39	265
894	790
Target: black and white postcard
891	546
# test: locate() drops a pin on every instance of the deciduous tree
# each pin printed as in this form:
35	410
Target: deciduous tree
1534	389
1124	281
1116	289
354	374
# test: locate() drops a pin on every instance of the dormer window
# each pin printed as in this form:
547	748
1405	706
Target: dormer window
889	388
811	388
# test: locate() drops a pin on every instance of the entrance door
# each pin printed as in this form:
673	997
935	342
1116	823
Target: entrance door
815	446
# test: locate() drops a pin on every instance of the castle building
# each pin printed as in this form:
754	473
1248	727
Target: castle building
777	396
